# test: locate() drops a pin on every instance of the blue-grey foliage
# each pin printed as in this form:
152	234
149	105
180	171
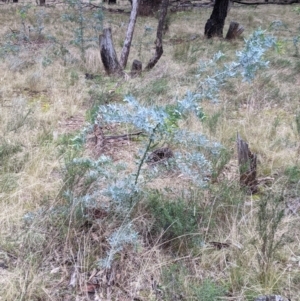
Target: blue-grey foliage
122	194
122	188
190	103
117	240
196	140
251	58
249	61
143	118
195	166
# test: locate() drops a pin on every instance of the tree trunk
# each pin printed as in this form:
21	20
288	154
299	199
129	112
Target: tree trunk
108	53
247	166
42	2
158	43
129	34
215	24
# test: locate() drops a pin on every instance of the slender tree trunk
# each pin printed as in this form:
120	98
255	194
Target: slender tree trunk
129	34
158	43
108	53
215	24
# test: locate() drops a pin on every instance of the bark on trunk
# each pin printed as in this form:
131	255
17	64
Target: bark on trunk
234	31
215	24
129	34
160	28
108	53
247	166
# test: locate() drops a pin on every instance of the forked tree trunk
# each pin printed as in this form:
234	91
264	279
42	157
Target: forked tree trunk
215	24
108	53
247	166
159	34
129	34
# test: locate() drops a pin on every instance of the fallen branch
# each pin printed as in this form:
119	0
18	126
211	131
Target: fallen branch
123	137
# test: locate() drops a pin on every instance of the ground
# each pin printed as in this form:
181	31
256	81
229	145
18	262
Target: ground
51	248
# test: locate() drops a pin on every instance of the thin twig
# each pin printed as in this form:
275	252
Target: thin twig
151	139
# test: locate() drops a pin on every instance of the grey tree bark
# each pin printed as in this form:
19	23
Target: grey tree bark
159	34
108	53
129	34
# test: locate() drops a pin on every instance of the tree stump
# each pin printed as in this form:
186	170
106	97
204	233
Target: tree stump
234	30
136	68
108	53
247	166
160	155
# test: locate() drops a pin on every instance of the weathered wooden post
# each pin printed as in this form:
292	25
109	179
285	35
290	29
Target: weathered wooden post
234	30
247	166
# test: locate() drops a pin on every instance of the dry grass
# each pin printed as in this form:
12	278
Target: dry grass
43	246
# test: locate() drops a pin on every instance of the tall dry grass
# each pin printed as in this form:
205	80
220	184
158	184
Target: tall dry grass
41	253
